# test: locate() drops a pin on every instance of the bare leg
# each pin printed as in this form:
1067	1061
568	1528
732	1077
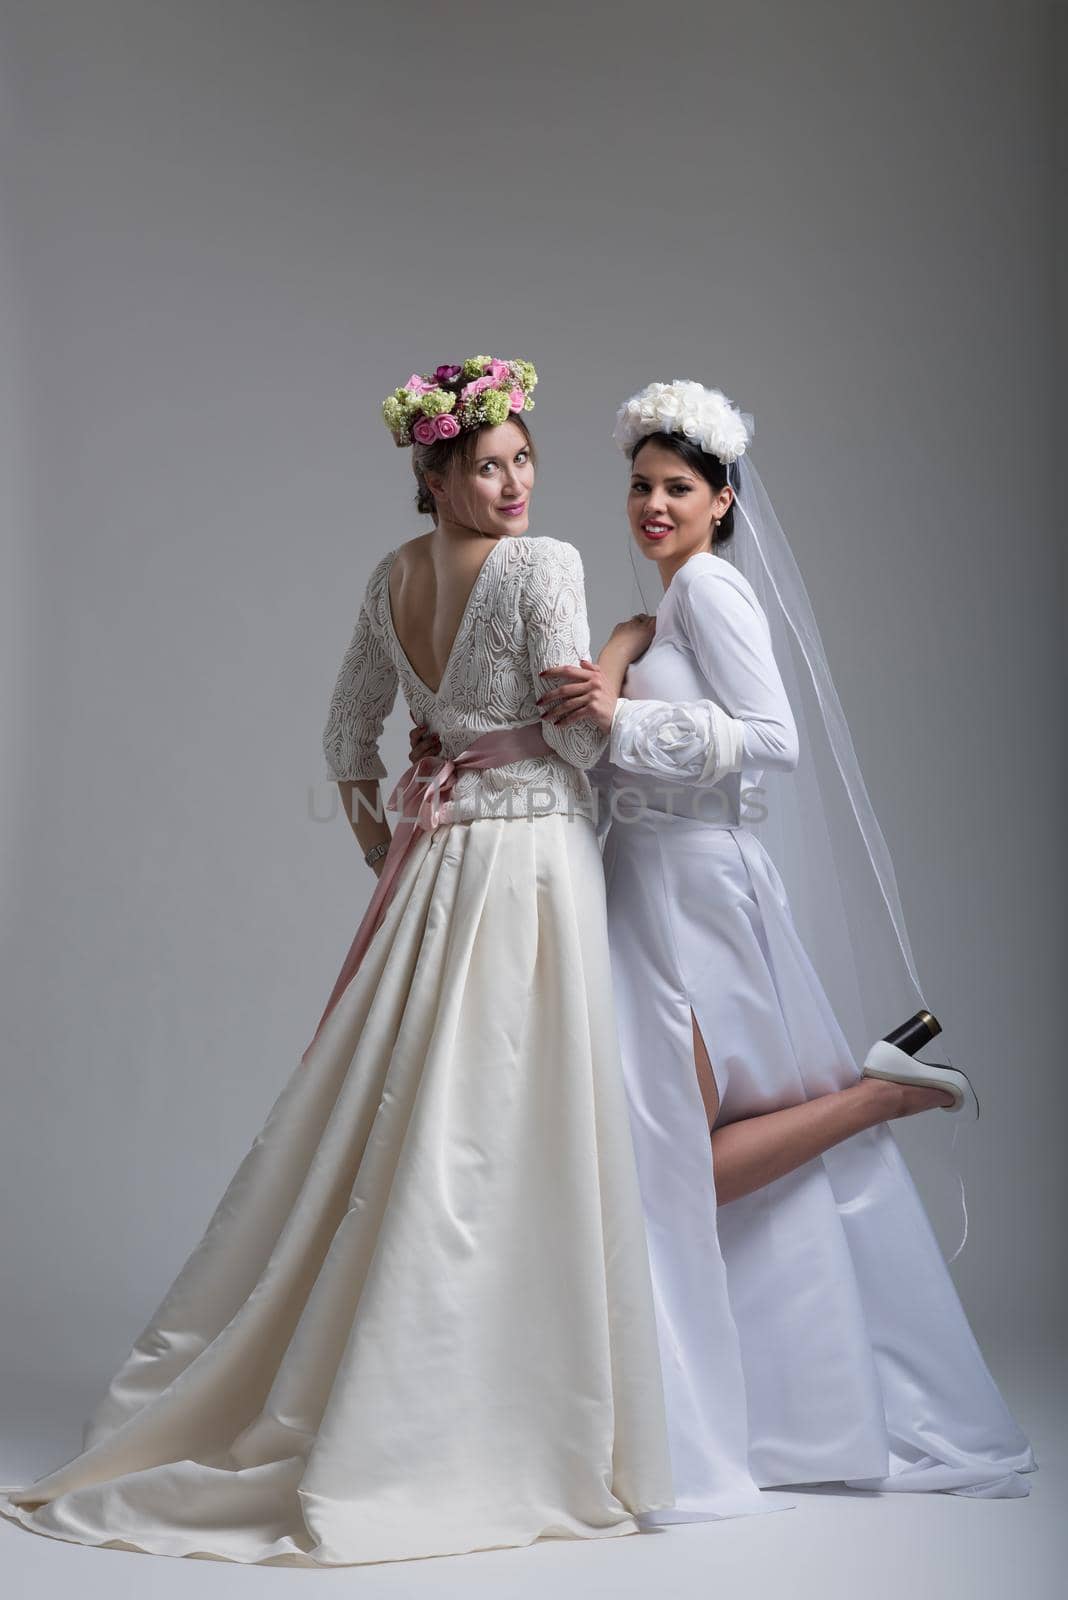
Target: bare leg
706	1078
755	1151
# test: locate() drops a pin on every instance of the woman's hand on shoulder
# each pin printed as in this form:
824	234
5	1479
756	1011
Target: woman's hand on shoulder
582	693
635	634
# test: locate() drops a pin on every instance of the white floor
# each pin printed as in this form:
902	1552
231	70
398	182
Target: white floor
834	1545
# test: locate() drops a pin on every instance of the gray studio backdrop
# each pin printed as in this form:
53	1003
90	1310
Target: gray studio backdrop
227	230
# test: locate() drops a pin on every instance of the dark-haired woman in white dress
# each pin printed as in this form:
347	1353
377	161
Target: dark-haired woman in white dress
809	1329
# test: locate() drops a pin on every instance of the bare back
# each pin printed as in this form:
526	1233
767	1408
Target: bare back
430	583
524	614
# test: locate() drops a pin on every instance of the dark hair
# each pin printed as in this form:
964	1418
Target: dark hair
458	451
715	472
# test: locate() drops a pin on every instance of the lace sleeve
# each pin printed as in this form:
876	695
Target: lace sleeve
363	697
558	634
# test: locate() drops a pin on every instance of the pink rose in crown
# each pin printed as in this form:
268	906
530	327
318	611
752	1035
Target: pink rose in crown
476	386
498	371
447	426
446	374
418	385
516	399
425	430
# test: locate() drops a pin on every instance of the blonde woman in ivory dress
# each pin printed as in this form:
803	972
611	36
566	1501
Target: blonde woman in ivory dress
809	1329
420	1320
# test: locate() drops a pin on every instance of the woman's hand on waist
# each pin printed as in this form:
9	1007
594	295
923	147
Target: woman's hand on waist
422	741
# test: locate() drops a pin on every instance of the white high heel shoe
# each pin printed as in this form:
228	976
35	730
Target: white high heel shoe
894	1058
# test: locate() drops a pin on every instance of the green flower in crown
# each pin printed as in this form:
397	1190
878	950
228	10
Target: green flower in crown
479	392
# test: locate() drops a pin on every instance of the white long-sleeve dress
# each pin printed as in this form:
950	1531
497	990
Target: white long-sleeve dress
809	1331
420	1320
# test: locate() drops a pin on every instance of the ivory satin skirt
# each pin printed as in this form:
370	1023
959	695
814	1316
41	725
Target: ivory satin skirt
420	1319
809	1332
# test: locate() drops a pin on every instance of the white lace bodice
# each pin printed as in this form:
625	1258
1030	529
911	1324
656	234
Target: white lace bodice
526	611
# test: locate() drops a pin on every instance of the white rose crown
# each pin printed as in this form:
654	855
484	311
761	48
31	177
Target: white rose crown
702	415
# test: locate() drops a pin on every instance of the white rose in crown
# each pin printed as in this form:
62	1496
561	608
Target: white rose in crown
705	416
668	407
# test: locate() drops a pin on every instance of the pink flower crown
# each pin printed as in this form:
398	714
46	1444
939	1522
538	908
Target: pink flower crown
480	392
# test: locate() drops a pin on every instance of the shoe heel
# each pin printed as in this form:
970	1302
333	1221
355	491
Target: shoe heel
915	1033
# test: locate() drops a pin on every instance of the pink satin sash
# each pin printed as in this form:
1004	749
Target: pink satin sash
419	796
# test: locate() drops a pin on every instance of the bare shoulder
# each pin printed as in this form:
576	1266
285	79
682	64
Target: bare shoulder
411	553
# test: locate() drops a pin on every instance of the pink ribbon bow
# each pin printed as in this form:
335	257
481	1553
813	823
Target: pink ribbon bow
419	796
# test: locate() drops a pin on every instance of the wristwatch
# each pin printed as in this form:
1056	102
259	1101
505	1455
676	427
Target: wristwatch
376	852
